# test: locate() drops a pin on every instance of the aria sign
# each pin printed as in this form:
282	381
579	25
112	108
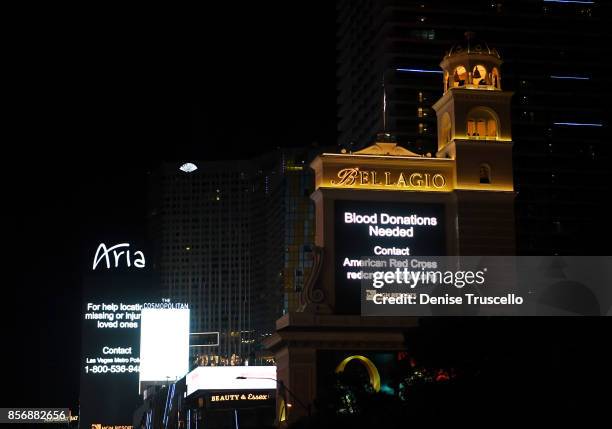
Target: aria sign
103	254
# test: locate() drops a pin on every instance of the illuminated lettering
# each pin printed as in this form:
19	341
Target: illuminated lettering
347	176
401	181
239	397
253	397
405	251
103	253
353	176
418	181
438	181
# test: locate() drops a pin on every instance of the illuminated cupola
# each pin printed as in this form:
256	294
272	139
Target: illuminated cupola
472	65
473	115
473	106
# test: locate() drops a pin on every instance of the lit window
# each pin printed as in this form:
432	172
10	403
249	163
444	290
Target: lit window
495	79
424	34
481	124
420	112
460	76
471	128
479	75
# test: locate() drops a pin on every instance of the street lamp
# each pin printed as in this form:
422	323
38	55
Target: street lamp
283	388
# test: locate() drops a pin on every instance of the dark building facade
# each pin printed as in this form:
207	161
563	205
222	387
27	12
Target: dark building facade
290	223
202	222
553	62
234	240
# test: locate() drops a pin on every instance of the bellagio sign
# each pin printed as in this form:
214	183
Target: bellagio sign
398	174
403	179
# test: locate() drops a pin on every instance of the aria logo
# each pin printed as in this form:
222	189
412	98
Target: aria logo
104	254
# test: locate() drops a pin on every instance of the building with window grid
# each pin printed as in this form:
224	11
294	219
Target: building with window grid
291	217
202	220
553	61
234	240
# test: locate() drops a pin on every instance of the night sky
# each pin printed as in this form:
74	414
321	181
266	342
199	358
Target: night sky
112	93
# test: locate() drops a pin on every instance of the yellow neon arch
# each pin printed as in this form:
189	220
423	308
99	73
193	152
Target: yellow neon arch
370	367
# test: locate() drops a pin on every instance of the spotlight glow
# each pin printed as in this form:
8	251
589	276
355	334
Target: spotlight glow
188	167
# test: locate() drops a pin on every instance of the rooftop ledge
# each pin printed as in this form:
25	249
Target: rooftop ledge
343	321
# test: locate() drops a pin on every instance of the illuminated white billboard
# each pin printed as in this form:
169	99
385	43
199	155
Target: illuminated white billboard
164	342
231	377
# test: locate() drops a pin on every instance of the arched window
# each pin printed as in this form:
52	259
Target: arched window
496	80
485	173
482	123
460	77
479	75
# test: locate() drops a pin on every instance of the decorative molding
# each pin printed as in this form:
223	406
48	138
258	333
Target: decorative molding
386	148
313	297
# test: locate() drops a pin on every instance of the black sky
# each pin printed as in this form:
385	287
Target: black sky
111	93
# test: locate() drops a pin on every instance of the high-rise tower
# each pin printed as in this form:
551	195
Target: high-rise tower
474	130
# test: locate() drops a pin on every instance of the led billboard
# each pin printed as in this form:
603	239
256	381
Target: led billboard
368	229
164	342
116	281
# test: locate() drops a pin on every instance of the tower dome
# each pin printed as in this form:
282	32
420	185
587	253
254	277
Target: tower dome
472	64
472	45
